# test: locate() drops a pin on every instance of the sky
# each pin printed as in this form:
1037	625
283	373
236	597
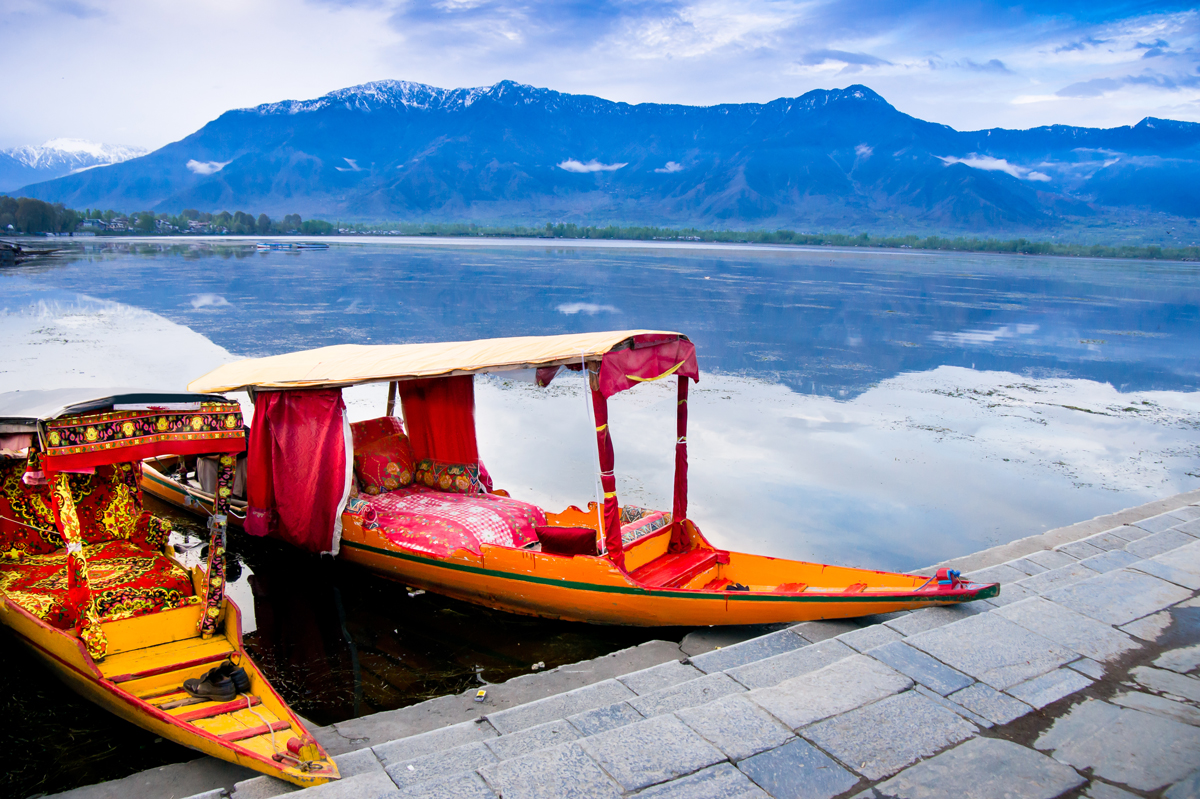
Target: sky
145	73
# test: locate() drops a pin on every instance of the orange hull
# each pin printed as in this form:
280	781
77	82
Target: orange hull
591	589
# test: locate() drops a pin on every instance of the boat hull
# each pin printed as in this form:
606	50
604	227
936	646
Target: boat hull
189	497
592	590
136	641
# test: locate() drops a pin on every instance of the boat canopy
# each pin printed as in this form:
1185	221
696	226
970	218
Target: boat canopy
351	364
20	411
82	428
436	389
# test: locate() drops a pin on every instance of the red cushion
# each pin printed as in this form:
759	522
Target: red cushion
567	540
126	580
383	458
457	478
107	503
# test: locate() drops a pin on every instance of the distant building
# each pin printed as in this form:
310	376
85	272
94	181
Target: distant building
164	226
93	224
196	226
119	224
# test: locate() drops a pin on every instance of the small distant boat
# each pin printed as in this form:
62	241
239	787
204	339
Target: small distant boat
90	584
428	516
267	246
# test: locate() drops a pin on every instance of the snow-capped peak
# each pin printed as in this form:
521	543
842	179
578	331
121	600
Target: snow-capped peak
403	94
71	153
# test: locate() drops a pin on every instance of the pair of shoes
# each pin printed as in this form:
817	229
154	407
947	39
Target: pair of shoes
221	684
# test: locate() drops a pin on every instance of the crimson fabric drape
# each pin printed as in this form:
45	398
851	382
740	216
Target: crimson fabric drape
650	358
608	481
296	468
439	414
679	540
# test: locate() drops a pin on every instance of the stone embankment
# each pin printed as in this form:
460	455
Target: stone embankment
1082	679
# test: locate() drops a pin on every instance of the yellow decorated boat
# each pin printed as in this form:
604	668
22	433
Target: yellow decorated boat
89	582
413	502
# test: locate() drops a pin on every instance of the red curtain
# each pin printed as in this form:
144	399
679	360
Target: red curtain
650	358
679	540
296	469
608	481
440	416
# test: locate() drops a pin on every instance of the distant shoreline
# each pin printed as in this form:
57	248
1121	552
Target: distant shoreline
719	241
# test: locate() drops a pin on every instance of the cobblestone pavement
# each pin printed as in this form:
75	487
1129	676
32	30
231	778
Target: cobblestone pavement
1082	679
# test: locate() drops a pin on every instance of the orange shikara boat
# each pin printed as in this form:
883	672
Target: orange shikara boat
412	501
89	582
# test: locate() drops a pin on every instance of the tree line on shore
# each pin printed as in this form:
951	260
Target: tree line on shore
30	216
27	215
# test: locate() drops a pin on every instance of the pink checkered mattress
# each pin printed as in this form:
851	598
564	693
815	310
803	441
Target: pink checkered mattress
438	522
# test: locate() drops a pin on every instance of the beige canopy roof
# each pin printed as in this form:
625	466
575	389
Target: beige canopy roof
348	364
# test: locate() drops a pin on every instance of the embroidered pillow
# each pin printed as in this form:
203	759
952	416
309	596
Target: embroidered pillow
458	478
383	458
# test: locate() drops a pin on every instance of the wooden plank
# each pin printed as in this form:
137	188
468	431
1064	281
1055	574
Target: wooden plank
261	729
154	659
238	720
166	669
160	693
216	710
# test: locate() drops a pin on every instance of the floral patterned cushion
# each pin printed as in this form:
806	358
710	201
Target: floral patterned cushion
383	458
458	478
126	580
108	504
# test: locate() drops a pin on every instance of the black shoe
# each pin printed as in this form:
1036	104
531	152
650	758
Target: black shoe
241	680
213	686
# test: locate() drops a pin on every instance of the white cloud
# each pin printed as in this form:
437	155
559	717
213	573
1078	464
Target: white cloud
354	167
970	337
571	165
991	164
680	51
207	167
863	151
670	167
209	301
589	308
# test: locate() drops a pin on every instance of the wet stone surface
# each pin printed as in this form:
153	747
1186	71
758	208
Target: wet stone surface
798	770
880	739
984	768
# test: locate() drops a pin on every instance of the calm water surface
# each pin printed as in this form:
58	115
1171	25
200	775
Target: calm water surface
798	348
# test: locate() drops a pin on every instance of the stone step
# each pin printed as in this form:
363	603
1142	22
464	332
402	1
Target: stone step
722	697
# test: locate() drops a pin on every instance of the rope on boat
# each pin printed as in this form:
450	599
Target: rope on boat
30	526
270	729
303	765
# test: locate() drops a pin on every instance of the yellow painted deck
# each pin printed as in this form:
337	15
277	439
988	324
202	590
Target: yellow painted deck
148	659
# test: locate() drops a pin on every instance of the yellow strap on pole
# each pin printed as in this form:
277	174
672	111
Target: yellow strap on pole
667	373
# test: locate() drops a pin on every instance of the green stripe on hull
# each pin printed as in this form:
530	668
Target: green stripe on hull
735	596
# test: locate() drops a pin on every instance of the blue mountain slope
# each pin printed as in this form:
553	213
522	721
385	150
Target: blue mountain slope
515	153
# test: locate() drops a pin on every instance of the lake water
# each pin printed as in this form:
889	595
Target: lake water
873	409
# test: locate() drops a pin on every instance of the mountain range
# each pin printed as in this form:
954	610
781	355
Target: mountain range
840	159
20	166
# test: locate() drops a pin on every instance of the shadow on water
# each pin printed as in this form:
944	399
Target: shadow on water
334	640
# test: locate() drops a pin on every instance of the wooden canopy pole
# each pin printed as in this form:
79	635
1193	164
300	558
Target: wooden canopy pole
391	406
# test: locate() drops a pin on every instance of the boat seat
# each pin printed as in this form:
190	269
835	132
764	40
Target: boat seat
675	568
126	580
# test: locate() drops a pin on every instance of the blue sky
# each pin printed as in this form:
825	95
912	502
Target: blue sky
143	72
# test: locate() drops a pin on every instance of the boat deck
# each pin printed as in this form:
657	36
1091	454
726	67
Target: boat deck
155	675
